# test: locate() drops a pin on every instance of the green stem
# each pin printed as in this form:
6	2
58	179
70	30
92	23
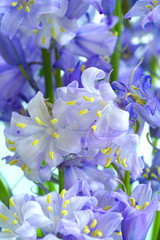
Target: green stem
61	180
127	182
117	53
47	65
57	72
156	227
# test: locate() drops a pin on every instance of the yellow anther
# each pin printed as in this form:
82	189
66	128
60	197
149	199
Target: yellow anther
71	102
24	166
136	88
31	2
86	230
62	29
138	207
51	155
53	33
124	162
141	102
50	21
65	203
149	6
155	2
35	31
145	205
20	7
83	68
128	94
28	170
56	135
71	69
115	34
94	127
154	175
107	59
50	209
15	215
15	222
13	162
99	114
118	233
147	170
54	120
97	233
158	168
62	193
38	121
145	175
93	224
14	4
83	111
118	150
6	230
134	97
3	217
91	99
107	208
9	141
109	151
43	40
64	212
12	149
104	150
27	9
49	198
118	159
108	162
132	201
11	202
22	125
35	142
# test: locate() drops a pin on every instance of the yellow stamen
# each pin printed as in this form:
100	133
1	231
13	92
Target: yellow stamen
83	68
11	202
28	170
91	99
53	33
35	142
9	141
118	150
141	102
31	2
145	205
54	120
24	166
15	222
145	175
49	198
62	29
154	175
136	88
51	155
3	217
43	40
86	230
64	212
118	159
149	6
107	59
27	9
97	233
99	114
62	193
155	2
83	111
138	207
158	168
118	233
94	127
71	69
71	102
22	125
6	230
108	162
12	149
93	224
104	150
35	31
109	151
20	7
39	122
14	4
65	203
56	135
107	208
124	162
147	170
13	162
15	215
50	21
132	201
50	209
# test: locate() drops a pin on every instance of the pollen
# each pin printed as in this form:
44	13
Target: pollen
35	31
118	233
15	222
108	162
62	29
6	230
118	159
71	102
93	224
145	205
12	149
35	142
56	135
51	155
83	111
91	99
97	233
15	161
38	121
50	209
20	7
104	150
24	166
86	230
49	198
138	207
94	127
124	163
3	217
62	193
22	125
54	120
28	170
9	141
14	4
27	9
65	203
107	208
132	201
64	212
11	202
99	114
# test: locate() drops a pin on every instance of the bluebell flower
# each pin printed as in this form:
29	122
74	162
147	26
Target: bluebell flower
108	6
148	11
